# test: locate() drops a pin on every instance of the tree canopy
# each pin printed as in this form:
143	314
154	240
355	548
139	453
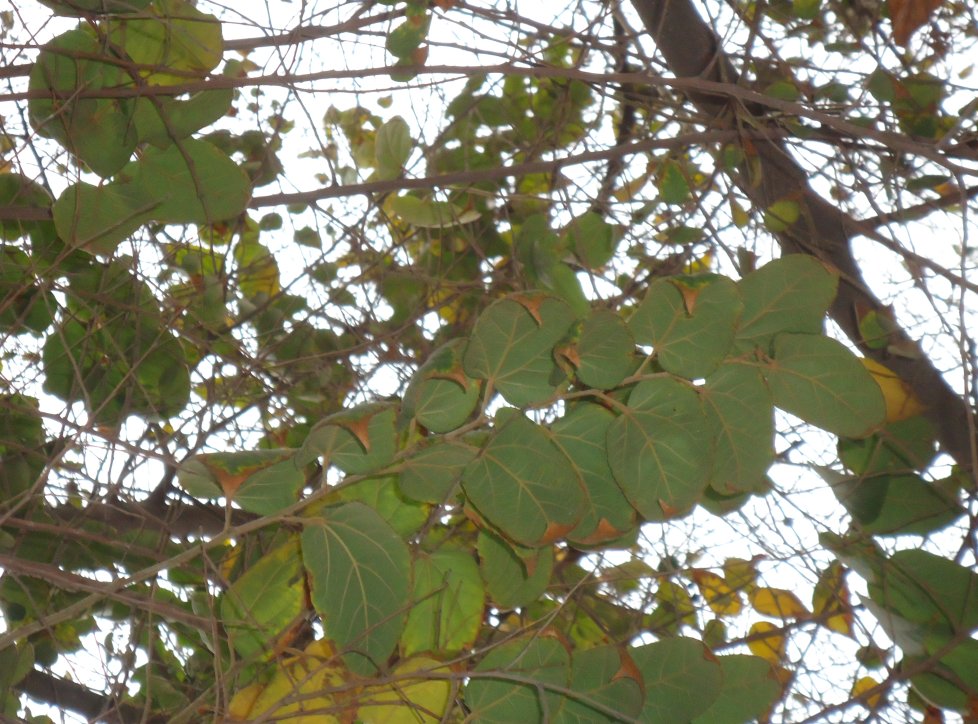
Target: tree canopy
434	361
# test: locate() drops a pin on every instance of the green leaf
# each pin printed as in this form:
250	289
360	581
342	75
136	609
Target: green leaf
392	148
174	36
441	396
900	447
357	441
740	410
682	679
512	346
689	321
162	120
524	485
265	601
515	682
593	240
606	688
581	434
513	581
80	8
430	214
791	294
431	474
897	504
19	192
99	131
660	448
750	687
605	352
448	600
408	36
383	496
673	187
267	491
359	573
823	383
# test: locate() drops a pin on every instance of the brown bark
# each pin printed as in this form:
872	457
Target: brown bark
692	50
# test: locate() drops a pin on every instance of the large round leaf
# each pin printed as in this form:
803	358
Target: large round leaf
359	570
682	679
512	347
524	485
661	448
820	381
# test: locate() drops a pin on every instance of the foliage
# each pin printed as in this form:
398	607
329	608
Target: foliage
464	450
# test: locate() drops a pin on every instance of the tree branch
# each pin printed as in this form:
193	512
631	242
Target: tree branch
691	49
94	706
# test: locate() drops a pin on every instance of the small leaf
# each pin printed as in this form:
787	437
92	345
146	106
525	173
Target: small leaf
781	215
673	187
901	402
778	603
863	685
605	350
831	605
429	214
513	582
767	641
268	598
392	147
718	594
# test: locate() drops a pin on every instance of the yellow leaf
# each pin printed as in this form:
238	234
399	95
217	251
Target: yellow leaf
419	692
777	602
900	400
767	641
830	600
718	594
864	684
740	574
738	214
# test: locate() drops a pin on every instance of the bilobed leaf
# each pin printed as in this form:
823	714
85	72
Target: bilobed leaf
527	668
749	688
682	679
359	572
268	598
605	351
431	474
823	383
524	485
512	346
163	120
448	599
689	321
208	475
582	434
660	448
512	582
739	408
441	396
359	440
790	294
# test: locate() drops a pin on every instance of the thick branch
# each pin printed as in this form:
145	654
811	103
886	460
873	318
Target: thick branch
69	696
691	49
